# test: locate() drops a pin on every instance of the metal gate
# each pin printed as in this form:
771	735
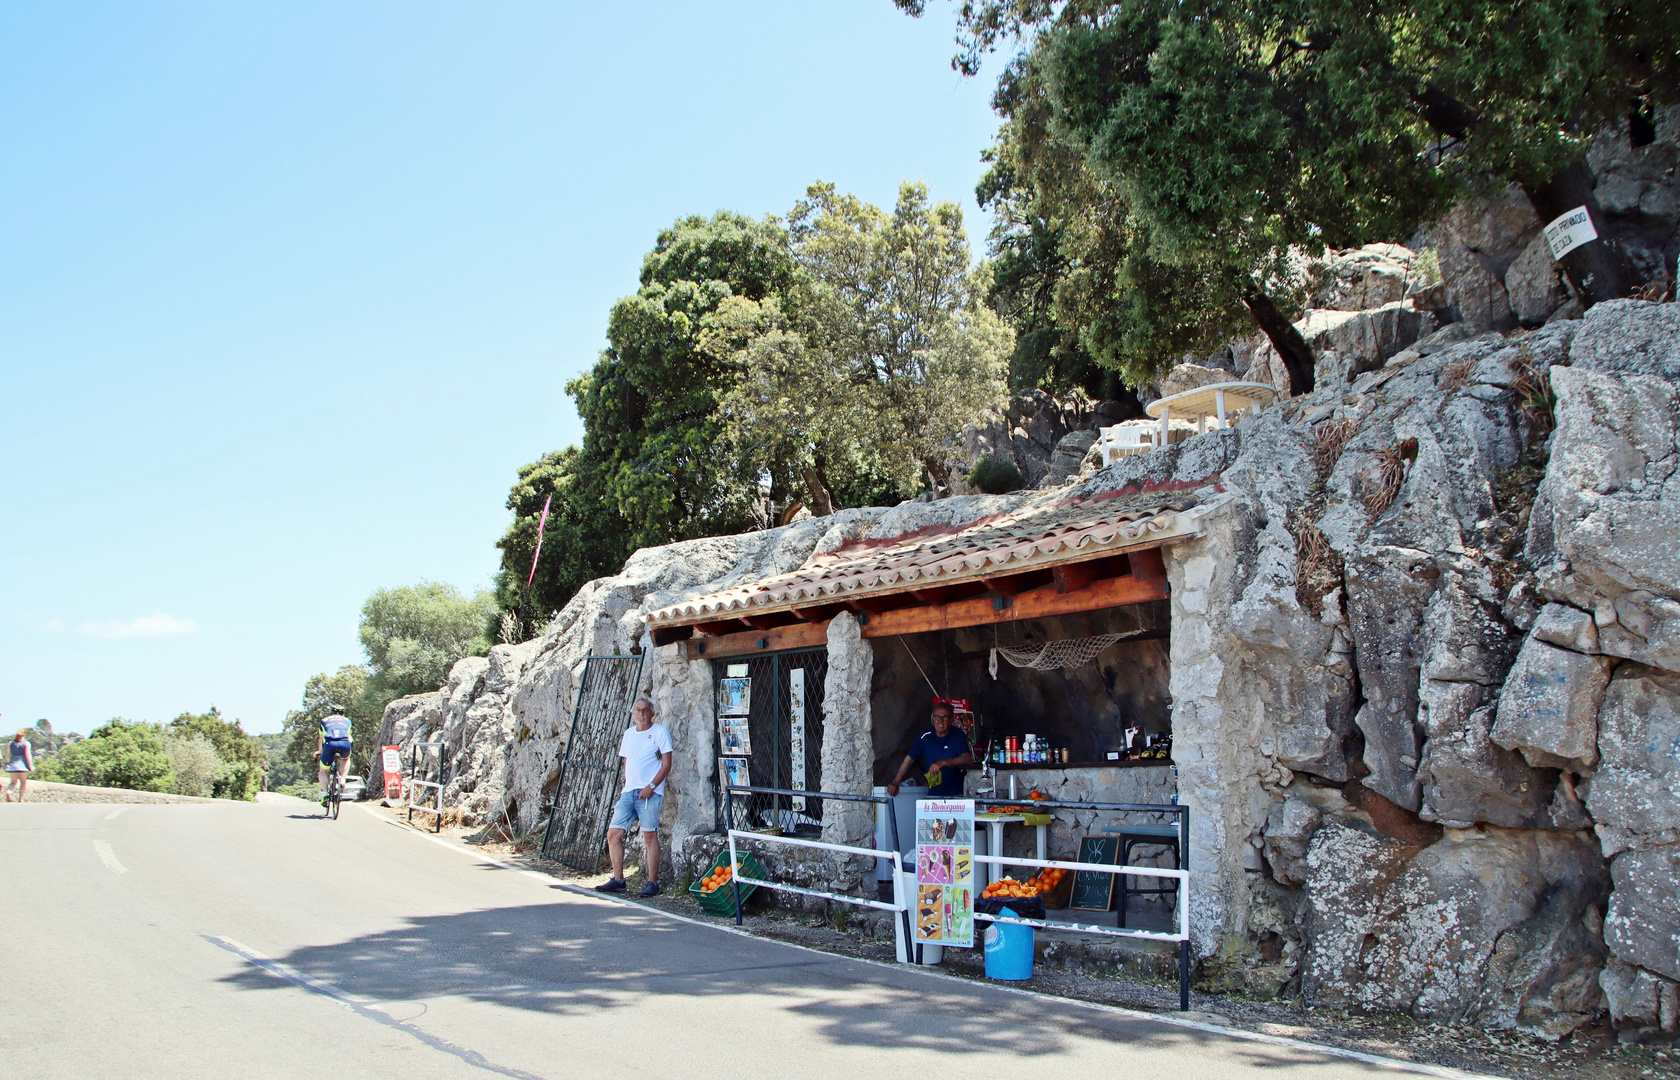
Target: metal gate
783	736
589	771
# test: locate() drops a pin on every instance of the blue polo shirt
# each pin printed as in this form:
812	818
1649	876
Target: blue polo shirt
931	748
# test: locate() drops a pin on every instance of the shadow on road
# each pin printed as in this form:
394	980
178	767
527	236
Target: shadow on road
570	958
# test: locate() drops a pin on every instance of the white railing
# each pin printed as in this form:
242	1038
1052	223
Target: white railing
904	885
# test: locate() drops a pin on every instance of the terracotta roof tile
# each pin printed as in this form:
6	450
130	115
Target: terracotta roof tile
1008	543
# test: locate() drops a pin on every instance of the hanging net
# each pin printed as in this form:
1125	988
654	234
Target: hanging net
1066	653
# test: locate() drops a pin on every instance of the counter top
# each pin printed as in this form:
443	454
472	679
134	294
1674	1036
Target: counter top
1045	765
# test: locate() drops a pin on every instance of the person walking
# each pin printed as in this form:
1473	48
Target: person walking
20	762
646	750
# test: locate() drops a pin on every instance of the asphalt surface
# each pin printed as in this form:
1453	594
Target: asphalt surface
258	940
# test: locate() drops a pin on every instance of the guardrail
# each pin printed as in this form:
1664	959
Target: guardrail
902	894
415	784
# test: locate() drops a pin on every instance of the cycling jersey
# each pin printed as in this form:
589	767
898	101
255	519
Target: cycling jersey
335	729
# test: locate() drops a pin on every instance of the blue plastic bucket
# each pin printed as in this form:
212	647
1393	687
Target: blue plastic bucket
1009	950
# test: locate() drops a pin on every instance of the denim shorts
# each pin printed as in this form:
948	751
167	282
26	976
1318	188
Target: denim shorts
632	808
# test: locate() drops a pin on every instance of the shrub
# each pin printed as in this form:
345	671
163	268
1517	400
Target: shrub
995	477
198	768
120	754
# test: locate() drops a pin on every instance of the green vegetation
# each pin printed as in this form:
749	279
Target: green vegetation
119	754
995	477
194	754
1161	165
412	636
821	359
239	774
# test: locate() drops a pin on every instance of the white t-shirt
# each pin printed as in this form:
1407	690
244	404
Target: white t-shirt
641	751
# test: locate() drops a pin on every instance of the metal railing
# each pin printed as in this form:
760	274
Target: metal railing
872	854
901	904
415	784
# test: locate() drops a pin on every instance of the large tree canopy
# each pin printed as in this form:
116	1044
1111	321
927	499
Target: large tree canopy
652	468
818	361
1232	133
885	354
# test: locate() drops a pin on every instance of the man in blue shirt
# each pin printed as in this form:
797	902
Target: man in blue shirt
941	753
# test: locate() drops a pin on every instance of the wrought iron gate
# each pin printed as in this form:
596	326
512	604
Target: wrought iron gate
589	771
784	732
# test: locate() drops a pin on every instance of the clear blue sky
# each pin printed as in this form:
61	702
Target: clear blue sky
288	291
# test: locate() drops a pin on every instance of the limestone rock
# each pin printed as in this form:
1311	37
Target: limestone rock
1640	1000
1629	337
1467	778
1534	284
1483	925
1635	796
1289	831
1567	628
1350	342
1069	456
1189	376
1549	708
1362	278
1642	925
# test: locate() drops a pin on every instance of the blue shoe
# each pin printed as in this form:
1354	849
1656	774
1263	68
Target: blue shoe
611	885
650	889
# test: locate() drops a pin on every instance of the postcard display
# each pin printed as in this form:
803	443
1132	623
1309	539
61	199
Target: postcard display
734	735
945	871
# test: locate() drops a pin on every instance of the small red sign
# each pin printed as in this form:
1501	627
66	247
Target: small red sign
391	758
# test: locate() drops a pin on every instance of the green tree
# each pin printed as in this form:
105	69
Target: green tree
347	692
241	752
194	761
118	754
887	352
1231	131
651	469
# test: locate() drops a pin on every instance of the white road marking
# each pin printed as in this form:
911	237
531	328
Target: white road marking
112	816
109	857
365	1007
1135	1014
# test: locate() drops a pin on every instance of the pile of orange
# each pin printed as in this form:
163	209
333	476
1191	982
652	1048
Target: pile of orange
1009	887
1047	879
717	877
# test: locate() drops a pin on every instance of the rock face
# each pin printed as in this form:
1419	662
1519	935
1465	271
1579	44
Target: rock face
1486	925
1424	667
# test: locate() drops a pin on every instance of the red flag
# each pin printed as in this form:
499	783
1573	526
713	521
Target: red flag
542	522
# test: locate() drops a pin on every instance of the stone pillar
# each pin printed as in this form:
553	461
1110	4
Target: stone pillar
682	701
1198	716
848	753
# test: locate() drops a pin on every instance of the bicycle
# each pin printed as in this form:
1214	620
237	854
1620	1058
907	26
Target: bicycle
334	793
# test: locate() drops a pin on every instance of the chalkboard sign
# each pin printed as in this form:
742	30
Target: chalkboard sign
1094	891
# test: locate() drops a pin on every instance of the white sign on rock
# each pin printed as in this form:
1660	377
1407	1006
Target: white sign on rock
1570	230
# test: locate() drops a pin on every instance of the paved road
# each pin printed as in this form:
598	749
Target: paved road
260	941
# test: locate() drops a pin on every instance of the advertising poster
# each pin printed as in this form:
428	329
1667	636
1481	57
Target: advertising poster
390	758
736	697
945	872
796	741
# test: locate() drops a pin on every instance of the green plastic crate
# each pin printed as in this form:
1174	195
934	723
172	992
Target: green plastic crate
721	900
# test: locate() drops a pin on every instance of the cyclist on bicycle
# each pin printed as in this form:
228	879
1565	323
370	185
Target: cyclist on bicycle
332	747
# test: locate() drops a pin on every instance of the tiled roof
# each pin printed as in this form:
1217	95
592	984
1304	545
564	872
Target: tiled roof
1008	543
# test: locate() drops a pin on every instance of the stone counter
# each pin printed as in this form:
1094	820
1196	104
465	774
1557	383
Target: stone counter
1124	782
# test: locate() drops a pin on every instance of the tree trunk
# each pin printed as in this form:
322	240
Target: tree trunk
940	475
1599	268
1297	355
816	480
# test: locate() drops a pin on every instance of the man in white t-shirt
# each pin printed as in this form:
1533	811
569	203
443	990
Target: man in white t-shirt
646	750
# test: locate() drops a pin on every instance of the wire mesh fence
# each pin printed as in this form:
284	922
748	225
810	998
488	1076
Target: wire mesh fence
770	735
589	770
